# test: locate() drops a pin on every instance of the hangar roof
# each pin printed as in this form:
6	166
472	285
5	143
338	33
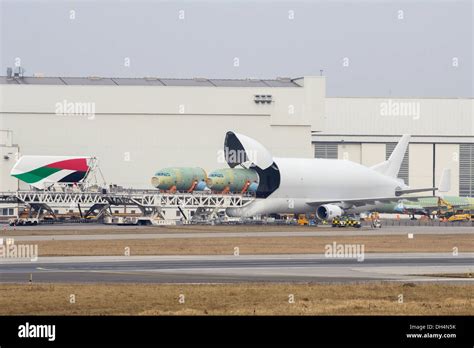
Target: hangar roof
147	81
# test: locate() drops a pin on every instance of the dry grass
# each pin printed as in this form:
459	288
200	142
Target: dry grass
254	245
19	231
238	299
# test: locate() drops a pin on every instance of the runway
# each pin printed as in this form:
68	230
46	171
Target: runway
312	232
234	269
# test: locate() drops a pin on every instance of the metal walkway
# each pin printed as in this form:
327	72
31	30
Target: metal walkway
146	199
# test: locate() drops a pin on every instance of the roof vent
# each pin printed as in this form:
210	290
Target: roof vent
262	98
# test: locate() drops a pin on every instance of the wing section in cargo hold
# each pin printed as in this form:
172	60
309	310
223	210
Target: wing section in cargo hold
42	172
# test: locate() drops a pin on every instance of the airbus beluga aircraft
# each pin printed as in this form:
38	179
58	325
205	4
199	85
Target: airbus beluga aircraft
307	185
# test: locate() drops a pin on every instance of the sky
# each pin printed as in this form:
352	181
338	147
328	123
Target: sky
365	48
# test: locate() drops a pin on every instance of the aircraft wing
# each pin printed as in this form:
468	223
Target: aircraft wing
363	201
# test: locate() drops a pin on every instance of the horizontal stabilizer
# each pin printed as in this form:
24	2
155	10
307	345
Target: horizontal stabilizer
407	191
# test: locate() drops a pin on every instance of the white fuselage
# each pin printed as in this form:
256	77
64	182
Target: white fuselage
317	180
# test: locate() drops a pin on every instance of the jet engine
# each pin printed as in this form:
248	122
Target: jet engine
328	211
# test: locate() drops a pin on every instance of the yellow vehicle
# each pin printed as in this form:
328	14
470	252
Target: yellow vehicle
460	217
345	221
350	222
337	222
302	220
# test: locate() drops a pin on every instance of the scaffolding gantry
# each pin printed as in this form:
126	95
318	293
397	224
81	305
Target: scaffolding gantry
150	202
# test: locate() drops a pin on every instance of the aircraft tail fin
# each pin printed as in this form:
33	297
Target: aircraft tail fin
391	167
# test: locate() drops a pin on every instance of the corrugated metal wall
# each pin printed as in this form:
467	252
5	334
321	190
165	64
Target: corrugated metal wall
466	170
325	150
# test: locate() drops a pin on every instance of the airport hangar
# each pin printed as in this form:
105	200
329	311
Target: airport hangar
136	126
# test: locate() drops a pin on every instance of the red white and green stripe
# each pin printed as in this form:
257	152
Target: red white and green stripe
44	171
